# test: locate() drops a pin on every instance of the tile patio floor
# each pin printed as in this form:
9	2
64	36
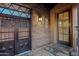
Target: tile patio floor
48	50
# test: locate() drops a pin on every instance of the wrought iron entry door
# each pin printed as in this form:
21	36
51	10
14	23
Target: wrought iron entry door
14	35
22	38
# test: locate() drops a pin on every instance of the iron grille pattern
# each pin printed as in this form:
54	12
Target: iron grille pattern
15	30
15	10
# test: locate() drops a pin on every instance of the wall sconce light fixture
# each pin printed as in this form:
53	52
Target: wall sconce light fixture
40	20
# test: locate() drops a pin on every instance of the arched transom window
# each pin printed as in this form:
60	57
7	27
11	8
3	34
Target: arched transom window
15	10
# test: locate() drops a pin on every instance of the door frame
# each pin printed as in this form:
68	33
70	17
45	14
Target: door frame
70	27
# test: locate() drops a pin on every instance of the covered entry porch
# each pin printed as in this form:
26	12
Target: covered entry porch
39	29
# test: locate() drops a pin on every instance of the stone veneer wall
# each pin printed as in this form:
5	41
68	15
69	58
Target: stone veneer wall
40	32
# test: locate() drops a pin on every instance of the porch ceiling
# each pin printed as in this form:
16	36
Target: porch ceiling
49	6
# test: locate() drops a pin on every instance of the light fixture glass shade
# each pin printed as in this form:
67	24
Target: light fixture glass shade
40	19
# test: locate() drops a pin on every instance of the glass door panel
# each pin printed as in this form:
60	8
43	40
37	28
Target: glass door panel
63	27
66	38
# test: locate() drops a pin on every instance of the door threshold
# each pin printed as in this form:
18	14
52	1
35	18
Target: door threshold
23	53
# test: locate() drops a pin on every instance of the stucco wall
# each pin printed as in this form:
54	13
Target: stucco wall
75	23
53	20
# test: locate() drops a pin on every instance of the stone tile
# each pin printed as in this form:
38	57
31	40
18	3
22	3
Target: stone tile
47	50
